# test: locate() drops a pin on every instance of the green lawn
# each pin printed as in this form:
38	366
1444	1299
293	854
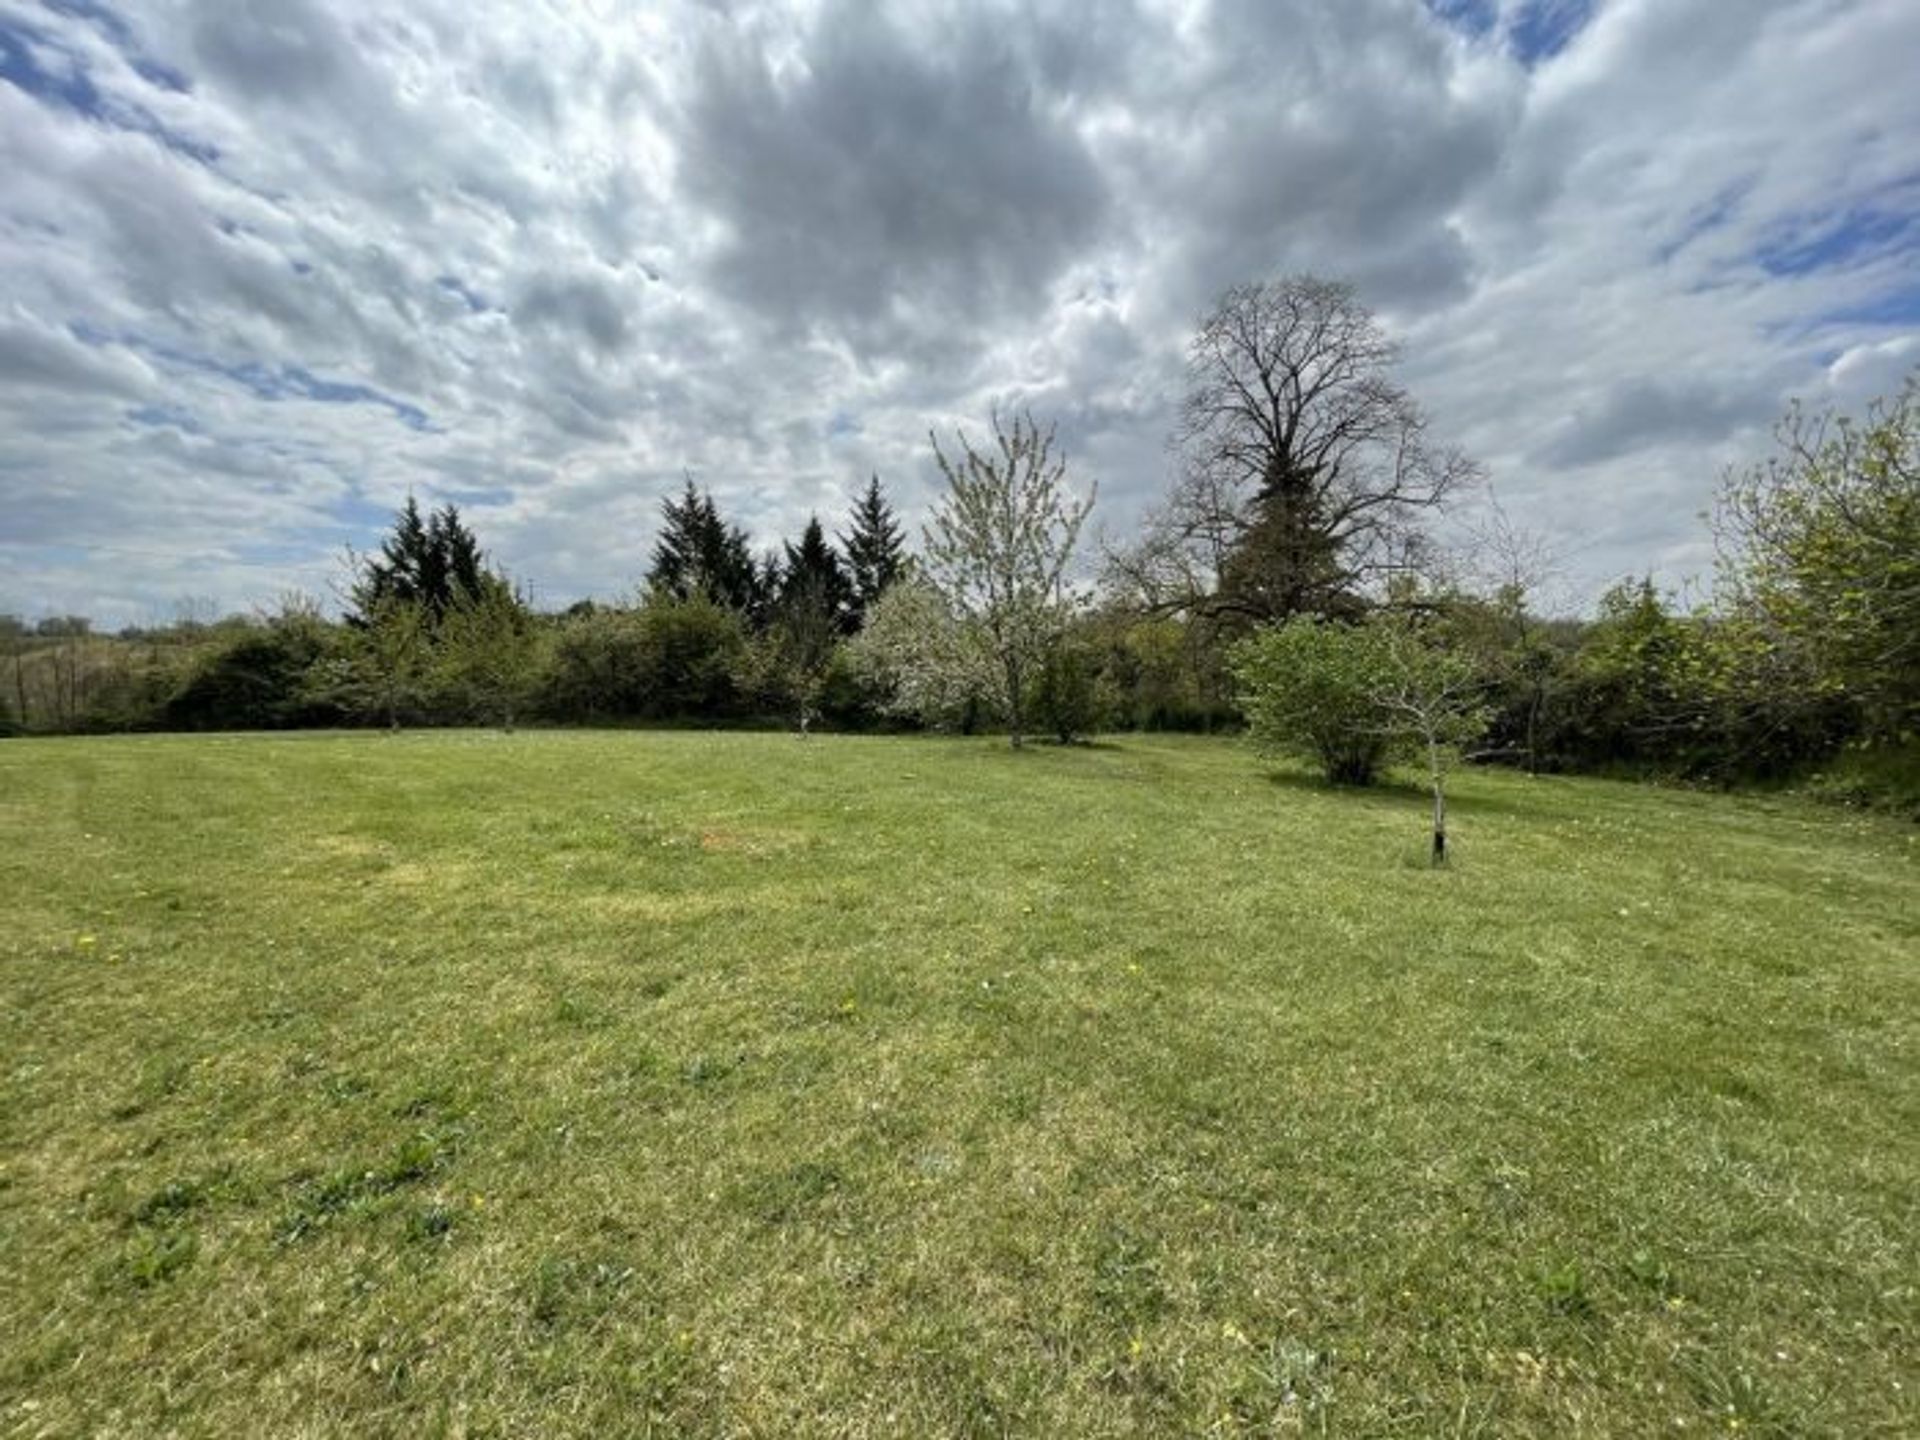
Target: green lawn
615	1083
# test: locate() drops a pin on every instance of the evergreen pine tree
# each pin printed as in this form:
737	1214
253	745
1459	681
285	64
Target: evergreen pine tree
465	568
735	579
814	579
875	550
435	584
434	562
676	554
699	555
393	575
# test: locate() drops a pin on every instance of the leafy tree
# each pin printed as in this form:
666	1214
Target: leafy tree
998	548
384	671
845	697
487	656
1636	686
1514	646
1066	697
690	654
1157	673
601	666
15	643
876	550
1821	561
1307	467
1428	694
1351	696
815	609
920	660
1308	687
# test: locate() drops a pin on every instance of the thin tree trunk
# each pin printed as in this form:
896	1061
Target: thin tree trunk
1533	731
1439	804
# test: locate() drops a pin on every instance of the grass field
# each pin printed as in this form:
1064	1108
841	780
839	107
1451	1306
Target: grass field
610	1084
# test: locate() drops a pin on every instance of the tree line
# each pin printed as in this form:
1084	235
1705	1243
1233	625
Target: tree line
1290	580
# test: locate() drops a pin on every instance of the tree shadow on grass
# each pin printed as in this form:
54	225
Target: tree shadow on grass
1401	790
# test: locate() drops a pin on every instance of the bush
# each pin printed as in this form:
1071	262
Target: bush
667	660
491	654
924	664
1066	698
599	667
1873	777
130	688
847	702
256	680
690	654
1307	689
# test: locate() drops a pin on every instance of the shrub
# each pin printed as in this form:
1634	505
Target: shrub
599	668
690	653
256	680
1307	689
924	663
1066	697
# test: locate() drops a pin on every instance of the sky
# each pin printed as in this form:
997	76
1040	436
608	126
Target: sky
267	268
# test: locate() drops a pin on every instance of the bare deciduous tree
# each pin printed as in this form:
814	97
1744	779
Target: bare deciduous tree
1512	567
998	548
1431	697
1305	466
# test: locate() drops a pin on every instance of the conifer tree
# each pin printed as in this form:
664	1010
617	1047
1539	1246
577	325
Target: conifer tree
875	548
676	554
397	573
812	579
434	562
465	567
699	555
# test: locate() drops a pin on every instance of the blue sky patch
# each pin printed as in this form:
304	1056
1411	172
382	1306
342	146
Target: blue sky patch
1707	218
27	63
295	380
1475	17
40	66
1898	307
1534	31
1822	242
1541	29
121	36
264	382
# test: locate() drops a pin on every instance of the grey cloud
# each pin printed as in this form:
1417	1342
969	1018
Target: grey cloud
1334	138
585	304
169	249
270	50
1641	414
527	89
42	356
887	170
903	215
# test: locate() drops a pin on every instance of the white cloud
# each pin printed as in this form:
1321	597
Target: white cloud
266	267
